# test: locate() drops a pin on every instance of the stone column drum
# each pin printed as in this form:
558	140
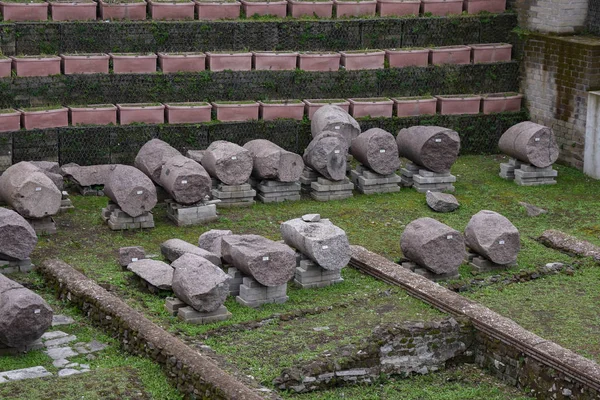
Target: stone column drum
335	119
433	245
185	180
377	150
493	236
531	143
273	162
326	154
152	156
133	191
228	162
432	147
17	237
29	191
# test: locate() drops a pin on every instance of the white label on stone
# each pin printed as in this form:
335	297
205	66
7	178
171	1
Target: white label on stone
37	311
38	189
265	258
537	139
183	182
134	259
438	140
336	151
449	237
382	151
501	242
234	158
337	127
325	247
140	191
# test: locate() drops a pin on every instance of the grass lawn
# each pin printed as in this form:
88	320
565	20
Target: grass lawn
375	222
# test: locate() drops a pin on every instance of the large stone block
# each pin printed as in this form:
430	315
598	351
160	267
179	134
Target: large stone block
493	236
433	147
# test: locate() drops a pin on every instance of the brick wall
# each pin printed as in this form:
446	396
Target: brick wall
552	16
557	74
593	18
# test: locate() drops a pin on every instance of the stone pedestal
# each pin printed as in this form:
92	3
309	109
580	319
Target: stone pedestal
270	191
65	203
417	269
191	316
118	220
482	264
90	190
233	195
311	275
423	180
173	304
406	174
14	351
307	178
237	278
325	190
43	226
195	214
526	174
253	294
591	158
9	267
368	182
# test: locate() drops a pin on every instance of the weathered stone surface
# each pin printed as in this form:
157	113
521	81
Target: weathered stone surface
185	180
51	170
24	316
335	119
493	236
569	244
199	283
268	262
228	162
90	175
17	237
273	162
195	155
441	202
311	217
29	191
532	211
130	254
321	241
26	373
172	249
152	156
376	149
433	147
531	143
156	273
211	240
133	191
433	245
326	154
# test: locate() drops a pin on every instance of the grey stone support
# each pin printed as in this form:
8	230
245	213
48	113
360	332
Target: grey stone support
253	294
118	220
367	181
324	189
310	275
195	214
271	191
234	195
191	316
43	226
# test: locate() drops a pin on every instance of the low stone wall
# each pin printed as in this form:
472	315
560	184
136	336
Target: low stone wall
91	145
593	18
550	16
195	376
511	352
398	349
257	85
133	36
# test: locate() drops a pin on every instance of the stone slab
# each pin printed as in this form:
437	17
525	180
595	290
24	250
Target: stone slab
191	316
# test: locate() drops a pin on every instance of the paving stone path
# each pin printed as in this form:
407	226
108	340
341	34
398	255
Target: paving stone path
59	347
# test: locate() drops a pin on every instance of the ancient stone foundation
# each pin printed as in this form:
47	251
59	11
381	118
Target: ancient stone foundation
233	195
195	214
271	191
526	174
8	267
423	180
65	202
482	264
311	275
118	220
368	182
43	226
253	294
325	190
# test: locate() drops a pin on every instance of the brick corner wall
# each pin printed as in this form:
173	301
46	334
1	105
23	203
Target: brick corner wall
551	16
557	73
